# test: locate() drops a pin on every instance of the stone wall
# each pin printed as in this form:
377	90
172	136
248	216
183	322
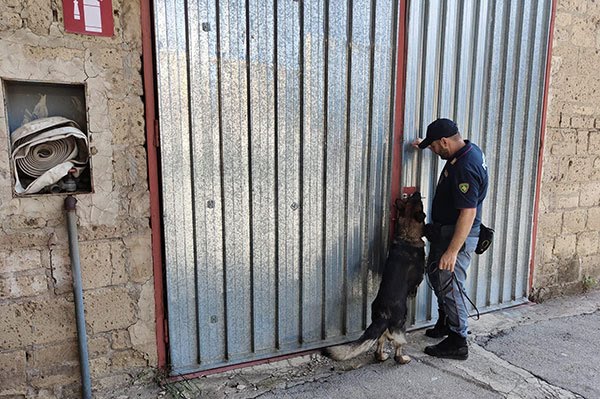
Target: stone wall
568	244
38	342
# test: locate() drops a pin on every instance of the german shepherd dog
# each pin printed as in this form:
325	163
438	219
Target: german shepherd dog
401	277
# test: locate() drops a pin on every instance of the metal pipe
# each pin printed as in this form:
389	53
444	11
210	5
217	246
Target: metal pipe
70	207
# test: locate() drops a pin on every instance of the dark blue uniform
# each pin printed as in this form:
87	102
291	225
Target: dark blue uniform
462	184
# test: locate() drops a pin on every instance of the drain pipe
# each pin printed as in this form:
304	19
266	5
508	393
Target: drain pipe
70	207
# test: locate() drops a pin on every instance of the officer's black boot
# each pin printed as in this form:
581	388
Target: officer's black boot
441	327
453	347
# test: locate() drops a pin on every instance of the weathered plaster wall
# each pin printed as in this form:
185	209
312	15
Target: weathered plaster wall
38	346
568	245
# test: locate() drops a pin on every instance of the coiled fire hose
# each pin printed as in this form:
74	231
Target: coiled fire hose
45	150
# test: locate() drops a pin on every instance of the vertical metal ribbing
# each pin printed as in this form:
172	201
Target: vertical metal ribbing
486	267
276	210
495	101
347	162
250	183
511	214
335	173
504	136
396	24
369	206
324	173
222	199
475	96
313	47
192	173
301	198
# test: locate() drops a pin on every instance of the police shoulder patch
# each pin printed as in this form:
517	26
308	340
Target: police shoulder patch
463	187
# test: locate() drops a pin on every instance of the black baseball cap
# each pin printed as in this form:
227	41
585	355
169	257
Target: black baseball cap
437	129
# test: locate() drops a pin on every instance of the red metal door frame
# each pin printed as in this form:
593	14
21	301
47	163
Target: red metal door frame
538	181
395	188
152	142
398	135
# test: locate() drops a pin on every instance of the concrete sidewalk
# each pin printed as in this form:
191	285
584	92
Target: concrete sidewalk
548	350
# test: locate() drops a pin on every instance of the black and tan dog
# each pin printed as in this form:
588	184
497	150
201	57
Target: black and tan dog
401	277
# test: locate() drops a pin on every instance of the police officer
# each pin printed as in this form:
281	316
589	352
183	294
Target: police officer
456	214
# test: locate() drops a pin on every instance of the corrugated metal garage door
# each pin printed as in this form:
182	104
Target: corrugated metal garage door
275	125
482	63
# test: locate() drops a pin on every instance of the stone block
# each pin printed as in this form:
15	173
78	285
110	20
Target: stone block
23	222
593	219
550	224
583	31
574	221
55	354
103	314
103	61
565	246
594	142
139	202
590	194
10	20
120	339
130	166
13	376
143	339
39	20
568	271
582	142
595	175
579	169
587	243
140	256
20	260
590	266
55	377
550	169
563	19
130	22
52	320
127	359
545	250
572	6
98	346
23	286
563	141
127	121
99	367
102	265
566	197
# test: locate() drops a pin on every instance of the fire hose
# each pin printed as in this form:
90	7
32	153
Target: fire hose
45	150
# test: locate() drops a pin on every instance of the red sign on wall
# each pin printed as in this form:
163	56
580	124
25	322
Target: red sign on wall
90	17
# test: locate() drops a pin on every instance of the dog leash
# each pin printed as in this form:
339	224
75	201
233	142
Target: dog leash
460	289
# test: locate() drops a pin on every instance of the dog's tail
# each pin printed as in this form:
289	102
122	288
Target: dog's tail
361	345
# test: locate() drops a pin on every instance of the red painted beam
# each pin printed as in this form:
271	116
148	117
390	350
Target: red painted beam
538	183
153	179
398	111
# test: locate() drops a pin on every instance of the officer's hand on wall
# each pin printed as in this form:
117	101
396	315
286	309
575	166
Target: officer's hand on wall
416	142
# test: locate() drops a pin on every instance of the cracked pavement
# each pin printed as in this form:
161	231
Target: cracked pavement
547	350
